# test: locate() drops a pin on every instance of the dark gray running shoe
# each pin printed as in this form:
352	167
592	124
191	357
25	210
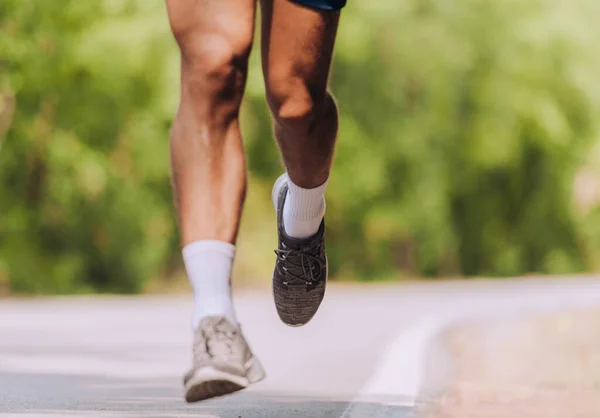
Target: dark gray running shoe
300	273
223	362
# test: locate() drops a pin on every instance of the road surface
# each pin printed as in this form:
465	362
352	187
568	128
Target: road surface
368	353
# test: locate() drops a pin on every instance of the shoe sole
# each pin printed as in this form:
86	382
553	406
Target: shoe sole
209	382
281	180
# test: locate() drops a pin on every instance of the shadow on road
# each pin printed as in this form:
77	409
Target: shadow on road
70	395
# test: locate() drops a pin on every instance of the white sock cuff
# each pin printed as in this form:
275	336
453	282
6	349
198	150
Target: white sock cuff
201	246
307	203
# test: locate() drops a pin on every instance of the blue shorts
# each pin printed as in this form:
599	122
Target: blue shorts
330	5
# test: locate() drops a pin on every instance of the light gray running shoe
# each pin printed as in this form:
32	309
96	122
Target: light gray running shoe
223	362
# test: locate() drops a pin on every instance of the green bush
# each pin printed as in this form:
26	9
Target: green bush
463	125
83	168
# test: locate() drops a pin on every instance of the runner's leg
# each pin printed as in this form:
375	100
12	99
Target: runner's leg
209	178
297	44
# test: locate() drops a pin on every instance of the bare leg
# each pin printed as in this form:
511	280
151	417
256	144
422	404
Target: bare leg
208	161
209	177
297	47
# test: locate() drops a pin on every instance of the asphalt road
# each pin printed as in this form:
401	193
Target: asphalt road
368	353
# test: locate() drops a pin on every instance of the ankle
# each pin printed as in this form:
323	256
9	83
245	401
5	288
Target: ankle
303	210
209	264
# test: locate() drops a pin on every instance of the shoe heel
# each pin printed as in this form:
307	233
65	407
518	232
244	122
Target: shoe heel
276	188
256	372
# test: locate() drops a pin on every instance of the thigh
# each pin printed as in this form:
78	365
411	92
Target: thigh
297	44
212	26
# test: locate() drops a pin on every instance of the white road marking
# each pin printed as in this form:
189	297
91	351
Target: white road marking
400	371
399	377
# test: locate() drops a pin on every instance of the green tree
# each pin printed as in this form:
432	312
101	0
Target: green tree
83	173
463	124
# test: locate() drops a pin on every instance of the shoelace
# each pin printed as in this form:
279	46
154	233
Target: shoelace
304	258
215	343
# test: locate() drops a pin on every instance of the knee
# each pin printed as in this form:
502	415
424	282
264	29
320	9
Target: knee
294	105
214	66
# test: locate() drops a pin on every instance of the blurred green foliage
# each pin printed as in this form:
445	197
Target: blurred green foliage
463	126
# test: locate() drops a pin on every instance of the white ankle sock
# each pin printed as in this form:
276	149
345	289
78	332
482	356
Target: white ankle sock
303	210
209	264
